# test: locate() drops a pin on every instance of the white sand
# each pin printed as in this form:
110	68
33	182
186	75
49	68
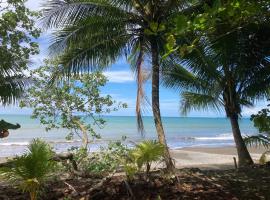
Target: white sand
209	158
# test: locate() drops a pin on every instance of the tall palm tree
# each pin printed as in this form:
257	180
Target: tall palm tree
229	73
95	33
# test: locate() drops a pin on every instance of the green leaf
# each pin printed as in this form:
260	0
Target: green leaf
181	23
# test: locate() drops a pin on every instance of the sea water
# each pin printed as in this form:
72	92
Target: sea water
180	132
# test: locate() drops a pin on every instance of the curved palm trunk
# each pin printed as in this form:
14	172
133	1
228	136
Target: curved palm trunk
243	154
155	104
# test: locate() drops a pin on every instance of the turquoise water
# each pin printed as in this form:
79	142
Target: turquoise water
180	132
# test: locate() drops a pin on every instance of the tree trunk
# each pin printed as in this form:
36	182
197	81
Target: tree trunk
85	140
244	158
155	104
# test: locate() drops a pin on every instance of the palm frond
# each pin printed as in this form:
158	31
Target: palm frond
61	13
136	60
32	169
147	152
258	140
12	88
199	101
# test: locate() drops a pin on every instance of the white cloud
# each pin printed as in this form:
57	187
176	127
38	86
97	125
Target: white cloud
119	76
34	4
247	112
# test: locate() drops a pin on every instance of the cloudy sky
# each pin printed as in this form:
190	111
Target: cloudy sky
122	86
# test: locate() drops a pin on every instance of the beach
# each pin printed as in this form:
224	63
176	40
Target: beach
210	157
204	157
194	142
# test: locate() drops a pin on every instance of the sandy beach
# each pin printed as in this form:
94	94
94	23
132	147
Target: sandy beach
210	157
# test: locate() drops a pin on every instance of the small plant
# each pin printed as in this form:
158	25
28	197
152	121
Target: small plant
147	152
32	169
130	169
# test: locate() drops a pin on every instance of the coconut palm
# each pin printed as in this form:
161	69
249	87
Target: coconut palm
230	73
96	33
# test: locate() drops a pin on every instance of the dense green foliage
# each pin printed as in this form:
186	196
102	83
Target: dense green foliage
261	121
219	59
107	160
17	34
229	73
32	169
230	67
75	103
217	19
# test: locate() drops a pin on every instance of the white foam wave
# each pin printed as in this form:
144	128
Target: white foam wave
14	144
226	136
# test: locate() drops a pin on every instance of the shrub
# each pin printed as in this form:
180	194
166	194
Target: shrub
108	159
32	169
145	153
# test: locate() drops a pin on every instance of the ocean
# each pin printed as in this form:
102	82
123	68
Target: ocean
180	132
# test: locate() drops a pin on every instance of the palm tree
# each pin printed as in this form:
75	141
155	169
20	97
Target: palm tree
11	87
94	34
229	73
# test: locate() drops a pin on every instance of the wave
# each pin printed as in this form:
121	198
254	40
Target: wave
14	144
226	136
25	143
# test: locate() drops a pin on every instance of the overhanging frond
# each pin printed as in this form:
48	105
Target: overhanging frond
199	101
12	88
258	140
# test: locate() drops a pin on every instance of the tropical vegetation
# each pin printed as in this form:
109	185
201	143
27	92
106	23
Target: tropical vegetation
18	31
215	54
145	153
217	58
261	121
75	104
94	34
230	73
32	169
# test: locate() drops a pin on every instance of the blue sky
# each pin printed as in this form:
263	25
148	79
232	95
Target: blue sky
122	86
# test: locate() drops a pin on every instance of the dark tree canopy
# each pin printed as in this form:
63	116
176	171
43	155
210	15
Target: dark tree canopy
17	34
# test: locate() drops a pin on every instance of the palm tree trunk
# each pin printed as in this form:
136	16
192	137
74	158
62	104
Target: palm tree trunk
155	104
244	158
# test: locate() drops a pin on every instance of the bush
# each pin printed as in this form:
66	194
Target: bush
108	159
145	153
32	169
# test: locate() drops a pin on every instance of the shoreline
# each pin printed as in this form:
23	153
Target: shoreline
210	157
204	157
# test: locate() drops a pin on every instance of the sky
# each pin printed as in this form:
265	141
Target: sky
122	86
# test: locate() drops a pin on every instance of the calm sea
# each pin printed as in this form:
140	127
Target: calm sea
180	132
